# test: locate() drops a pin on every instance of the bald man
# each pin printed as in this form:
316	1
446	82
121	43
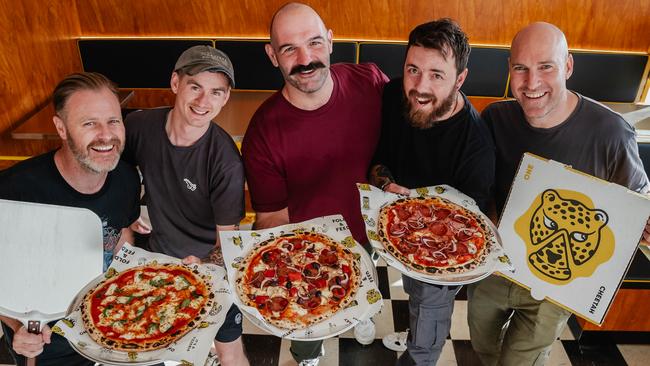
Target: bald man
309	143
551	121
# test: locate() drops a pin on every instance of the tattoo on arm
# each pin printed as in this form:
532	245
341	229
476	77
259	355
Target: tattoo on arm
216	256
380	176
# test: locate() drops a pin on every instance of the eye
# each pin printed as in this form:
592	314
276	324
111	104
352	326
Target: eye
546	67
194	88
518	68
287	50
115	121
412	70
578	236
315	43
438	77
217	93
89	124
550	223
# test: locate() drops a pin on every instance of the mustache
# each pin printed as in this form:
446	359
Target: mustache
309	67
415	94
99	142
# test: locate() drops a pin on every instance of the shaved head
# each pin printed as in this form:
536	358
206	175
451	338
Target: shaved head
541	33
289	13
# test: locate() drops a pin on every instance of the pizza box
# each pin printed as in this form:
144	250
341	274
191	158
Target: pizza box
192	348
373	199
570	236
235	245
47	254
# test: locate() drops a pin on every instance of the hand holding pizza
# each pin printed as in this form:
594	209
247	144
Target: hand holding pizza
28	344
397	189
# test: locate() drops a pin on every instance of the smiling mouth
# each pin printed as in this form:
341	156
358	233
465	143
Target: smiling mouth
199	111
423	101
534	95
102	148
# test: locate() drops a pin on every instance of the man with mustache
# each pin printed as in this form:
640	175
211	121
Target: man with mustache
85	172
309	143
507	325
192	173
431	135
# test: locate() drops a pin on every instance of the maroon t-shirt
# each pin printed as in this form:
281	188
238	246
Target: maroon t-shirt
309	161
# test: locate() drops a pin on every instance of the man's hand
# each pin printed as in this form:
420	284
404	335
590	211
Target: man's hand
645	238
140	226
396	188
31	345
191	259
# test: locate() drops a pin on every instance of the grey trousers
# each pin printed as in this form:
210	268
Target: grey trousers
430	309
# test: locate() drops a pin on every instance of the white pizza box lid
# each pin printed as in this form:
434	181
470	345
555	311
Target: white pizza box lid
570	236
47	254
373	199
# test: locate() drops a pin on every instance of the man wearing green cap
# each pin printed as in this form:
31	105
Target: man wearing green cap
192	173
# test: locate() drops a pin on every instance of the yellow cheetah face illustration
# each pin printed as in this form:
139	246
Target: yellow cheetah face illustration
422	192
565	238
373	296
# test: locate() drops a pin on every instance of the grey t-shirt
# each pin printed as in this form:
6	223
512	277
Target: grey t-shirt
594	139
188	190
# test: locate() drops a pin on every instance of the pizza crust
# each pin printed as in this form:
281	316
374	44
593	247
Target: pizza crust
450	268
199	309
294	316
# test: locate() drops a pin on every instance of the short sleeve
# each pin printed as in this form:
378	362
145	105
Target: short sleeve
627	168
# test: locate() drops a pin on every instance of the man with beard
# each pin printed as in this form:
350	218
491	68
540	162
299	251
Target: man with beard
309	143
85	172
507	325
193	174
431	135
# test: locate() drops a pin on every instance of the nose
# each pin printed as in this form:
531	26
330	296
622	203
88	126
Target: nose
303	56
201	98
532	79
420	83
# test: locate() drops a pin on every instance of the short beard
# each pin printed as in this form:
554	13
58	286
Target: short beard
86	162
421	119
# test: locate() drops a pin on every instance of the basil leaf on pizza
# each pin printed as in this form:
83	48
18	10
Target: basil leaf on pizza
433	235
147	307
297	280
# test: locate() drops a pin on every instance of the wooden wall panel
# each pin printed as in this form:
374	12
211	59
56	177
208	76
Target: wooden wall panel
37	49
589	24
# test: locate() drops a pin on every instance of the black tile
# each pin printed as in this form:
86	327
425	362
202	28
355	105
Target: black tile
5	356
594	354
462	294
383	283
262	350
465	355
354	354
400	314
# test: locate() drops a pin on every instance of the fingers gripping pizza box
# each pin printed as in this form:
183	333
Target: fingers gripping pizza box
570	236
435	234
302	281
147	308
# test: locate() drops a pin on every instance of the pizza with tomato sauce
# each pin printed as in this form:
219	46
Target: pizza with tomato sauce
147	307
297	280
433	235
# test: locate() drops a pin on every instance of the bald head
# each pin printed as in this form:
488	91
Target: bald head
541	34
289	14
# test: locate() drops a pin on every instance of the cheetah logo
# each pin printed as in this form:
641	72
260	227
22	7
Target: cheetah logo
422	192
565	237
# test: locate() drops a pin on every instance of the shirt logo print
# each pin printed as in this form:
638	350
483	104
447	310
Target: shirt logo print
191	186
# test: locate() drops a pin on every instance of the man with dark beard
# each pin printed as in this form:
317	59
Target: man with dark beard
431	135
85	172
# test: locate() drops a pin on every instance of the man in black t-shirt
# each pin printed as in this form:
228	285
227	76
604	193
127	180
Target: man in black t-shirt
85	172
507	325
431	135
192	172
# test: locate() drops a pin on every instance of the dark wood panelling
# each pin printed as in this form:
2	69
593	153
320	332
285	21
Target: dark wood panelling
37	49
607	25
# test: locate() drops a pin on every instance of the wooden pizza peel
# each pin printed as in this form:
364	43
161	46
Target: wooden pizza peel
48	254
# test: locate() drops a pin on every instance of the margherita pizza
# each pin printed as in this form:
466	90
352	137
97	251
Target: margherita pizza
298	279
147	307
432	235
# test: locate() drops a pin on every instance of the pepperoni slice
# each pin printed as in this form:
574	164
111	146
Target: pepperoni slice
277	303
270	256
403	213
463	235
425	210
460	218
398	229
327	257
442	213
313	302
438	228
406	247
257	278
311	269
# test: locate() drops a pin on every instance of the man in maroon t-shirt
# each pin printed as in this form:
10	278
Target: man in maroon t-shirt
309	143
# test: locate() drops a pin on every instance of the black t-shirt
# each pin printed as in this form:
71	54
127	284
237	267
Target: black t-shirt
593	139
38	180
457	152
188	190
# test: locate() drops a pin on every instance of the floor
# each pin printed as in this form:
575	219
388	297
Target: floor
265	350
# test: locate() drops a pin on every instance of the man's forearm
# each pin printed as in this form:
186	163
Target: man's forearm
380	176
